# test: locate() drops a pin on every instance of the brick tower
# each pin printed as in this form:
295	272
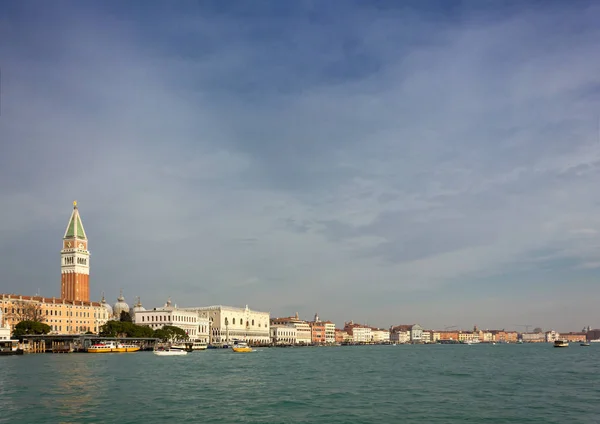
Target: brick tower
75	261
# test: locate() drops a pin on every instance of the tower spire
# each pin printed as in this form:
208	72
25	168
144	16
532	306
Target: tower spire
75	226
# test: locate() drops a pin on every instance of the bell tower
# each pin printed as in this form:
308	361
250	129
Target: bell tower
75	261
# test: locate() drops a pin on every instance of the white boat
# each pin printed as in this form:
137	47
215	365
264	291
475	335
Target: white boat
561	343
170	352
199	346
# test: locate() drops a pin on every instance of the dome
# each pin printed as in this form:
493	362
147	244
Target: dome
138	306
106	306
120	306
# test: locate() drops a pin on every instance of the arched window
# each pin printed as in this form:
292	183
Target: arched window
252	323
234	321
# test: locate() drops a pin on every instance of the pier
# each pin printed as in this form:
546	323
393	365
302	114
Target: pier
77	343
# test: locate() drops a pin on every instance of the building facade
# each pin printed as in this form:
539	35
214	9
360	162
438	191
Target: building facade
303	330
283	335
4	328
228	323
196	327
360	333
415	333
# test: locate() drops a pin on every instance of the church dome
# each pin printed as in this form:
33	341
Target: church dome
138	306
120	306
106	306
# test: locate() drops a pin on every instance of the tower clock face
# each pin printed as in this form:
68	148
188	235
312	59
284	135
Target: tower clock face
81	245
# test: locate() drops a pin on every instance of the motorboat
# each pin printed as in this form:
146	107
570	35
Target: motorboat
561	343
585	344
239	346
170	352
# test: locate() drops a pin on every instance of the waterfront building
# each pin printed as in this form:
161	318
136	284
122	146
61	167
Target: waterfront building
303	330
283	334
4	328
573	337
342	336
360	333
228	322
73	312
486	336
415	333
171	315
379	335
329	332
533	337
552	336
448	335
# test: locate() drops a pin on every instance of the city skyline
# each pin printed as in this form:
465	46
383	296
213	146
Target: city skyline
432	165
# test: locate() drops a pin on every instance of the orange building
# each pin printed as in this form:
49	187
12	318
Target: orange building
317	332
573	337
449	335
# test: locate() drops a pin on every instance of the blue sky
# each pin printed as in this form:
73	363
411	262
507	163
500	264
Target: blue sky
389	164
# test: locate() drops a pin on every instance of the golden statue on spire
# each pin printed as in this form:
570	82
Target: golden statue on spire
75	203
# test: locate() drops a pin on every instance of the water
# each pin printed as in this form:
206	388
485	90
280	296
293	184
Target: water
354	384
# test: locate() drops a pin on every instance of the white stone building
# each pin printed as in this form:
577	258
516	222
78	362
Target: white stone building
187	320
283	334
415	333
329	332
4	328
303	330
380	336
552	336
360	333
228	323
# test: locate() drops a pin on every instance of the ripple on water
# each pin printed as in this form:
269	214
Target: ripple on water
433	384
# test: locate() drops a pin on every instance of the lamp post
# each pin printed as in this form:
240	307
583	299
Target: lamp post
227	331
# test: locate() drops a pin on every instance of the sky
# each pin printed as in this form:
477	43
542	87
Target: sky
425	162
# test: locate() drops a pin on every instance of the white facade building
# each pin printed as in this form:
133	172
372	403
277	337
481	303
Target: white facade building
4	328
329	332
228	323
380	336
170	315
283	334
400	336
303	330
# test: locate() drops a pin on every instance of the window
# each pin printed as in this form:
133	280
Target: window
234	320
252	323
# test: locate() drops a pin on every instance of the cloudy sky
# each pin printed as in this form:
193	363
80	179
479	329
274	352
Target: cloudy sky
437	164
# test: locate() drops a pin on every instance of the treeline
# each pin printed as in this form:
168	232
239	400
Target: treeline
110	329
129	329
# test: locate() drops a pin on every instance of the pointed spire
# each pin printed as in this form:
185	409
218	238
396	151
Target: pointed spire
75	226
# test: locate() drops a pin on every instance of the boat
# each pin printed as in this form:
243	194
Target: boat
10	347
561	343
170	352
112	347
239	346
199	346
585	344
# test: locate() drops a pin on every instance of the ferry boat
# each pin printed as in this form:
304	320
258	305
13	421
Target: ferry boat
10	347
172	351
561	343
239	346
199	346
110	347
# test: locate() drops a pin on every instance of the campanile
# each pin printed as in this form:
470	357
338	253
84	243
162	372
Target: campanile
75	261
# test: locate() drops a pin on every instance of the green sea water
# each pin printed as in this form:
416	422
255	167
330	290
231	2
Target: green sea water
348	384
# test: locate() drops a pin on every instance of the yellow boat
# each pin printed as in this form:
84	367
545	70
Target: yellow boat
241	347
112	347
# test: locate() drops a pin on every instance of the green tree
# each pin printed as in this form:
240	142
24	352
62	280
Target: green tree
125	329
26	311
170	333
125	317
30	328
